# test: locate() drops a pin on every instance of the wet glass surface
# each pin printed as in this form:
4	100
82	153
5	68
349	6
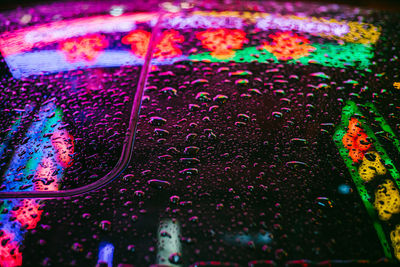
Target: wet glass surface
264	138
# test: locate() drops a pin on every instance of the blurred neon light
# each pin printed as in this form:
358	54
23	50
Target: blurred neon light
14	128
348	31
331	55
51	61
221	42
309	25
9	250
85	48
371	167
288	45
355	140
139	41
106	253
387	200
387	195
38	36
39	165
200	21
165	48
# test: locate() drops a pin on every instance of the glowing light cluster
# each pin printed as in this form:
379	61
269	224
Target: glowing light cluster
165	48
221	42
387	200
85	48
288	45
40	167
375	164
354	32
371	167
396	85
355	140
331	55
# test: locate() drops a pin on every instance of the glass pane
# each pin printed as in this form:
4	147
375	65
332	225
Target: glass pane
268	136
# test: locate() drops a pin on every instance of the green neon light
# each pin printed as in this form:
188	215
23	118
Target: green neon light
330	55
385	126
348	111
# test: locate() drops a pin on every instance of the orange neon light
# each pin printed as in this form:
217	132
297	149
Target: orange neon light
85	48
356	141
221	42
288	45
166	47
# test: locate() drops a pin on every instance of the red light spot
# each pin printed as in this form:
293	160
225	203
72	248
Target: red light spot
85	48
10	255
355	140
288	45
28	214
221	42
165	48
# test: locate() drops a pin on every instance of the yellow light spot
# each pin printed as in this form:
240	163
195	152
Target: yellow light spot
371	166
387	200
395	237
396	85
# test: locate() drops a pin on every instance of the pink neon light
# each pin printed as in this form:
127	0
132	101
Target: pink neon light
85	48
10	255
37	36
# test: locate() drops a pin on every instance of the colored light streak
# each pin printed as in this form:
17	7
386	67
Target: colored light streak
288	45
387	196
330	55
34	165
51	61
38	36
86	48
348	31
106	253
221	42
14	128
